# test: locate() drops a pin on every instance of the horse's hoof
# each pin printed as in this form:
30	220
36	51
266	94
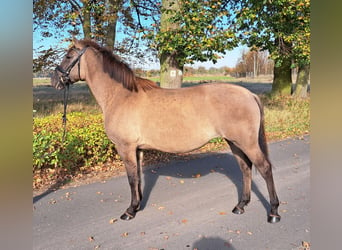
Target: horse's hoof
127	216
272	218
238	210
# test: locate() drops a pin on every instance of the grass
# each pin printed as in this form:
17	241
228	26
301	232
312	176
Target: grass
286	117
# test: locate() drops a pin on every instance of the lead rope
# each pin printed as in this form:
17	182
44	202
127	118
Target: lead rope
64	118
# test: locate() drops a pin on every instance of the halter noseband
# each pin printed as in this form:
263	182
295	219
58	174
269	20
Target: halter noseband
65	78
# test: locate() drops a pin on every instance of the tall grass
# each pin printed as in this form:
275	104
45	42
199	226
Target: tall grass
286	116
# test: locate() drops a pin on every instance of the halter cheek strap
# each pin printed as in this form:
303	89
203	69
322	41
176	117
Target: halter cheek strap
65	78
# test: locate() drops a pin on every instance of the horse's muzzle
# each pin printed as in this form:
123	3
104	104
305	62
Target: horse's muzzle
57	80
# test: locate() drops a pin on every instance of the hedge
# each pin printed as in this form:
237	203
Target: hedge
85	142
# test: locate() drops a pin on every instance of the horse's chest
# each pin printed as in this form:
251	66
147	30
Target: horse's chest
121	129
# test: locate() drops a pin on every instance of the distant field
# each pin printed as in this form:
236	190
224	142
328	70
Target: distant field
40	81
201	78
219	78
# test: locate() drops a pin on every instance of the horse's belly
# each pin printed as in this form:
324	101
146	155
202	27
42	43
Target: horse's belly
179	141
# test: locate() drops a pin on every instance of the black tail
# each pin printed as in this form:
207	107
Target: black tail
262	135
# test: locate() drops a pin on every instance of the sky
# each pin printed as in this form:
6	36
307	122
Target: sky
228	60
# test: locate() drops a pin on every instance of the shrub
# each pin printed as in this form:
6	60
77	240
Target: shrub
85	142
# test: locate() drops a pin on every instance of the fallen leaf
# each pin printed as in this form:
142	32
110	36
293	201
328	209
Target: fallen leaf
166	237
222	213
181	181
97	247
184	221
53	201
306	245
91	238
168	178
112	220
196	176
142	233
161	208
125	234
250	233
237	231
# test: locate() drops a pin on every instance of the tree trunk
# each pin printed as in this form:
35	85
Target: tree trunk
86	25
282	80
112	8
302	81
171	73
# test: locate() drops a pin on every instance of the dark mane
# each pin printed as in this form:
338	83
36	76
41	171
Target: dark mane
120	71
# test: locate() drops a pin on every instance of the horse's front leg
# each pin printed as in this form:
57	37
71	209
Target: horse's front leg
132	160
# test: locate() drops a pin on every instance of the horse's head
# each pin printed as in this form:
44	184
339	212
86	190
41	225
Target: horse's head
69	71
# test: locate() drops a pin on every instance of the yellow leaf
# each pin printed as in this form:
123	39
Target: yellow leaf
112	221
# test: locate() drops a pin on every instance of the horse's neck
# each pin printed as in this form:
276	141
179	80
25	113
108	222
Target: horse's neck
103	88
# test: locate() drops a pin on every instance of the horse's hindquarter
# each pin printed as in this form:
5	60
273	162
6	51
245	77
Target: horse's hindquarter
181	120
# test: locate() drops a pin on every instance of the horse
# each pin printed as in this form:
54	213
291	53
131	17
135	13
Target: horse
139	115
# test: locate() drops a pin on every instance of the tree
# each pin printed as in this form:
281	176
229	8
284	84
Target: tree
283	28
187	31
253	62
63	19
171	68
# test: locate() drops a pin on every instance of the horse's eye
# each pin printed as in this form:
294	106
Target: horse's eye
68	57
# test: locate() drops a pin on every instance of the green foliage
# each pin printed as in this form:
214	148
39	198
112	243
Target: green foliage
197	31
85	144
280	26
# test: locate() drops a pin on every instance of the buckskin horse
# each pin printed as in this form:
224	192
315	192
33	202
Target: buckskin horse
139	115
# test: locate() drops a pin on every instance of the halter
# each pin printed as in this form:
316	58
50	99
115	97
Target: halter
66	81
65	78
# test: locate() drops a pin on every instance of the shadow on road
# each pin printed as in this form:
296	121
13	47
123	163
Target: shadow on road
223	163
212	243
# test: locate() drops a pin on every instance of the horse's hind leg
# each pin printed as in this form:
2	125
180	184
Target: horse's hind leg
261	162
246	169
132	159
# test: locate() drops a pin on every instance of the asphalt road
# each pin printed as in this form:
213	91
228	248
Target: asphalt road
187	205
